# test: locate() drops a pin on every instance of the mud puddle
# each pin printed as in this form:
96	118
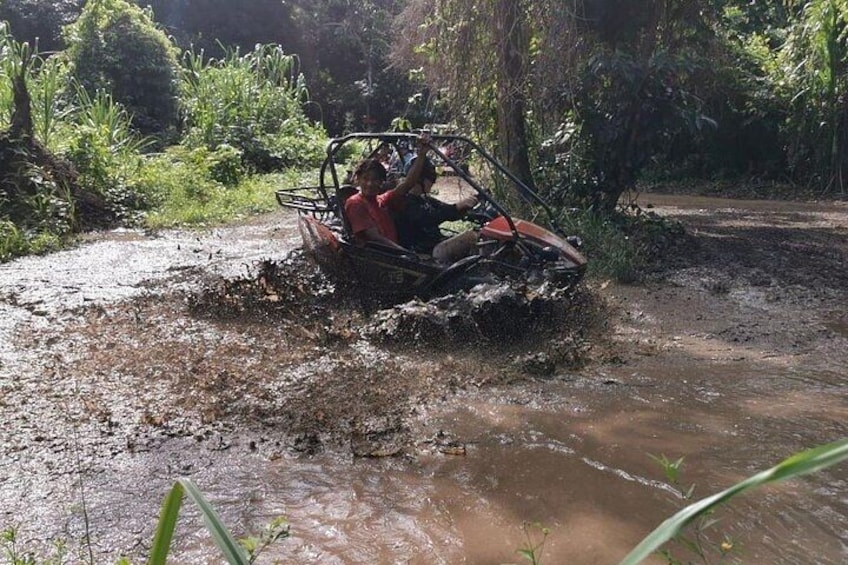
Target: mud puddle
390	435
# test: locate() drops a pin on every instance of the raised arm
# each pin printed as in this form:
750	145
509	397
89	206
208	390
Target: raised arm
414	175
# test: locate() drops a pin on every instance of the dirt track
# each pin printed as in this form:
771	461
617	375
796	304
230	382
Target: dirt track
114	357
772	275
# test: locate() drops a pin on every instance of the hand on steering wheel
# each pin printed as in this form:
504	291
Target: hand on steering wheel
482	213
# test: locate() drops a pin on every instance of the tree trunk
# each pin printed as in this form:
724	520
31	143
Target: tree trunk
22	156
513	49
21	125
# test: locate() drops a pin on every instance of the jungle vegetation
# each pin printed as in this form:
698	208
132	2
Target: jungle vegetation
140	108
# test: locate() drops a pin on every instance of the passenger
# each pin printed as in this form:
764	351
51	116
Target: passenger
384	155
367	211
418	216
401	161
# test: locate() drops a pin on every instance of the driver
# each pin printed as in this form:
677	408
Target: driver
367	211
418	216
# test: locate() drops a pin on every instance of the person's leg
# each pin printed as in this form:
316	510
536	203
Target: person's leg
456	247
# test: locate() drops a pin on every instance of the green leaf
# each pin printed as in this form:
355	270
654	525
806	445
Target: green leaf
231	549
527	554
799	464
167	523
250	544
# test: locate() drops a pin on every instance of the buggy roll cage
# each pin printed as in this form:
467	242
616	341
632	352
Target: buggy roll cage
334	145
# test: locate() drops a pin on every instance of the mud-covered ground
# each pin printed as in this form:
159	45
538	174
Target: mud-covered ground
133	342
227	341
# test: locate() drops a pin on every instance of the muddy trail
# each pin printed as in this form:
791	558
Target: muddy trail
424	432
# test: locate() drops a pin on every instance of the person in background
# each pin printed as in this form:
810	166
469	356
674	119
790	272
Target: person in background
401	161
384	155
367	211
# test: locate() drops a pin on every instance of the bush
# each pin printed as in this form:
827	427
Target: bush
114	46
12	241
611	252
106	153
185	185
252	102
15	242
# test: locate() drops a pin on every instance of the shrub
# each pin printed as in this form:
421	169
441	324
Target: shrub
106	153
115	46
185	185
12	241
252	102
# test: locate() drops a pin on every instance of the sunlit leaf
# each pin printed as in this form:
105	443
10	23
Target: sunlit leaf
797	465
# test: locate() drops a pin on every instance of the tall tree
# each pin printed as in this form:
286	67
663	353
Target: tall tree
637	89
39	21
613	74
513	53
216	26
346	59
476	53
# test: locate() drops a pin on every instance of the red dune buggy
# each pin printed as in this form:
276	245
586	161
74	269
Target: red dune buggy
507	247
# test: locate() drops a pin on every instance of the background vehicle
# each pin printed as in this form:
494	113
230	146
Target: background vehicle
507	247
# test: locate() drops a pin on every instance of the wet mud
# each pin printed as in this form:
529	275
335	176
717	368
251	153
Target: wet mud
425	432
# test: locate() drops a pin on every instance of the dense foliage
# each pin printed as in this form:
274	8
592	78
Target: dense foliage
342	45
75	157
115	47
612	90
582	101
253	104
39	22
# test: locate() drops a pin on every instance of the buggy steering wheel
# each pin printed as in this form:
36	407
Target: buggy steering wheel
482	213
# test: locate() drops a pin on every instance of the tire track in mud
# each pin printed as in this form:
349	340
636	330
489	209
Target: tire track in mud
769	271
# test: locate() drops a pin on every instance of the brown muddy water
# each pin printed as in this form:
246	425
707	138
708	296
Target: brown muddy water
135	359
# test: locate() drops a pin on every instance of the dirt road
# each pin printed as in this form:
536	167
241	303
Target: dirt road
137	358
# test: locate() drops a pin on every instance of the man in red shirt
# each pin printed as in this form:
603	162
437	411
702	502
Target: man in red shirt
367	212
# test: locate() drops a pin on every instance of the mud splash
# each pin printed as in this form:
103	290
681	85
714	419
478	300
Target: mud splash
495	319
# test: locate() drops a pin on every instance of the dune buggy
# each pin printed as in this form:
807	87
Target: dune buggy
507	247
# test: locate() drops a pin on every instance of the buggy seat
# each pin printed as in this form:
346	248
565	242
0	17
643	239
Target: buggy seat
344	192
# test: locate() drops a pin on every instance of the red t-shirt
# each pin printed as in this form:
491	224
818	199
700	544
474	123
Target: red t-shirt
366	212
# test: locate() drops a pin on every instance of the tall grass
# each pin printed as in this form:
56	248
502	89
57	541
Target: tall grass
12	56
47	82
611	252
183	187
259	90
50	108
252	102
109	119
106	151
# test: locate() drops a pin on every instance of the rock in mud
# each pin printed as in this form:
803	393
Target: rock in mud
539	364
